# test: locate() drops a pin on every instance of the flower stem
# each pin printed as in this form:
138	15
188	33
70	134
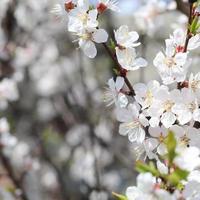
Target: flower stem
188	31
120	69
11	174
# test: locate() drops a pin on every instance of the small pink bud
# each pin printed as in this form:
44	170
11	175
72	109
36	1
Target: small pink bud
101	7
69	5
180	49
123	72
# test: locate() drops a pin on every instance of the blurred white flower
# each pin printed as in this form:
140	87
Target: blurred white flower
83	161
57	10
4	126
186	135
49	179
8	92
98	195
147	188
20	155
163	169
188	158
192	190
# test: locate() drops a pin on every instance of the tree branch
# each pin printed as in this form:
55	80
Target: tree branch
183	7
120	69
11	175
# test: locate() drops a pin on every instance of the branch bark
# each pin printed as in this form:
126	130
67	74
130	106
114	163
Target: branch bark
119	68
183	7
18	184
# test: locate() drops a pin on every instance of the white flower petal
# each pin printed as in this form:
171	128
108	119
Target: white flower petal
89	49
168	119
119	83
122	100
100	36
140	62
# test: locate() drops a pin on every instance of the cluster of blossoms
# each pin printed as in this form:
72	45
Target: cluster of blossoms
83	22
162	123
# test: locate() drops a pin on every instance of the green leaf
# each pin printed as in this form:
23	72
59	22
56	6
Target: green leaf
116	71
171	143
119	196
177	176
194	25
144	168
112	44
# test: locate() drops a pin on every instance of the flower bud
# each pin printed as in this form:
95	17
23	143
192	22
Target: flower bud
101	7
69	5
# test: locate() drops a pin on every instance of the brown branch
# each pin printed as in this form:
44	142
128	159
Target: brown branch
183	7
12	176
188	31
180	85
120	69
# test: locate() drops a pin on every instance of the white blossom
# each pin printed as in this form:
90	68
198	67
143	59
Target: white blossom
186	135
156	141
188	158
171	66
194	84
146	189
126	39
109	4
144	94
87	37
132	123
80	18
178	39
161	110
114	94
127	58
188	109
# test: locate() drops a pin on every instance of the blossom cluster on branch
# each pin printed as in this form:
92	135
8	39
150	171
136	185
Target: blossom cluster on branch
160	119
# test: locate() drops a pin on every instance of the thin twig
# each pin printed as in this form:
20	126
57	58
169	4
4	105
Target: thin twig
188	31
120	69
11	175
182	7
188	37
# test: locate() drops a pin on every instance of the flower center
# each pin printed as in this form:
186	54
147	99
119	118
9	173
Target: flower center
192	106
149	97
86	36
169	62
194	85
161	138
101	7
168	105
83	17
185	140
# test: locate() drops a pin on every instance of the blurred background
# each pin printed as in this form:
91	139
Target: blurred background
60	141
